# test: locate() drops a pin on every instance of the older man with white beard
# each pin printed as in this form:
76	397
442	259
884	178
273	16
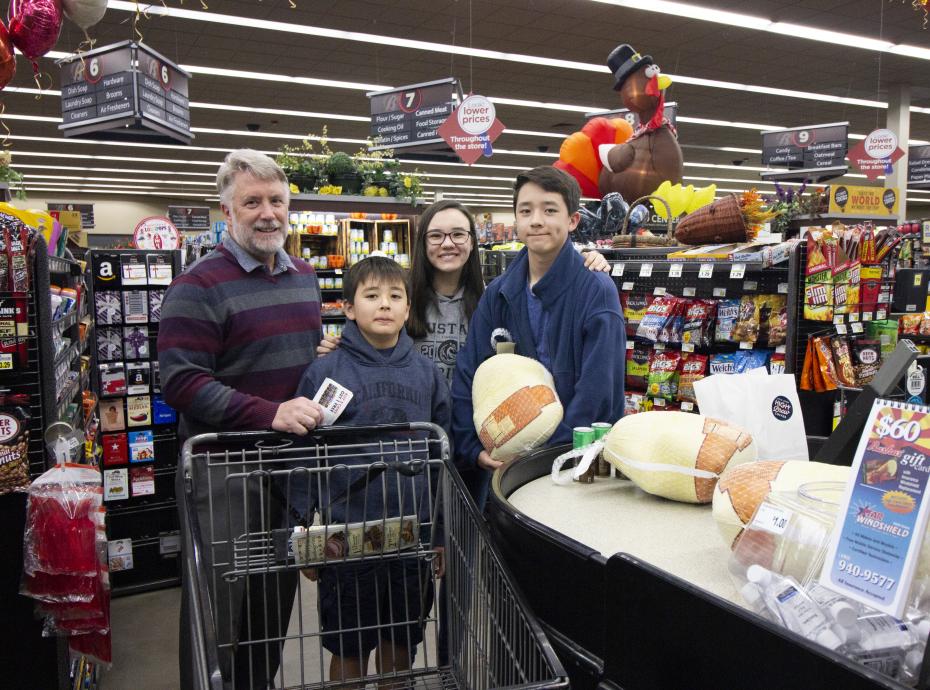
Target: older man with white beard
237	332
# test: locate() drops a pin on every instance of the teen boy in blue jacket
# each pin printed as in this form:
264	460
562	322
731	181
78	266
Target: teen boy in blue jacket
378	605
555	311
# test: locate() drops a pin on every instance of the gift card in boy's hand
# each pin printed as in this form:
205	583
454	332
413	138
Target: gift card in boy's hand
333	398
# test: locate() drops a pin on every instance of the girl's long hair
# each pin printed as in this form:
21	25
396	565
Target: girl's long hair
422	271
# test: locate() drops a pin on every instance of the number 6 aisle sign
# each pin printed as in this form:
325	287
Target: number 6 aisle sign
880	528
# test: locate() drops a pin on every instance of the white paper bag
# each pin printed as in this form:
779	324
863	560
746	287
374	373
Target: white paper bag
765	406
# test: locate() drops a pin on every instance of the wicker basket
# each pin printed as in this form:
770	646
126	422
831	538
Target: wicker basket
625	239
718	223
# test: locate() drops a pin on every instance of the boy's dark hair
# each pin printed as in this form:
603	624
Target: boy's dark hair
377	269
422	271
552	180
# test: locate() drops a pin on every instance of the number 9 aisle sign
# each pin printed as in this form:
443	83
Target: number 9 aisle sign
877	540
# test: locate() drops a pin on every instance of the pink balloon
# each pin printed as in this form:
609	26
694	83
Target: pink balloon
34	26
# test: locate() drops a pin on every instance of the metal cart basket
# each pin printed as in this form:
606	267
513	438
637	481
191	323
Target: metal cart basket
368	515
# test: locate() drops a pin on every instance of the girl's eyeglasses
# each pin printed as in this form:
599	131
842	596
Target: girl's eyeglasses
436	237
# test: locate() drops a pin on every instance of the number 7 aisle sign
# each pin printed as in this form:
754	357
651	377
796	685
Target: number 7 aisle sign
877	540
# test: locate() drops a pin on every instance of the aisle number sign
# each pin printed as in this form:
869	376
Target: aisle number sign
472	128
863	201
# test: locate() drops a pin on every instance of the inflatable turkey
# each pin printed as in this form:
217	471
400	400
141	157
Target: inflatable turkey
652	154
607	155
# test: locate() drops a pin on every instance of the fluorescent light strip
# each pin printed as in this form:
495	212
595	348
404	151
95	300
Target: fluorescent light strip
681	10
57	190
480	195
31	176
279	111
32	166
745	21
464	186
102	186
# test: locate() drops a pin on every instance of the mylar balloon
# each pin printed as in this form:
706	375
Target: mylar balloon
7	59
702	197
34	26
84	13
663	191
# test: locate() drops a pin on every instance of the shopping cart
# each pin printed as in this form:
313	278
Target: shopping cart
389	510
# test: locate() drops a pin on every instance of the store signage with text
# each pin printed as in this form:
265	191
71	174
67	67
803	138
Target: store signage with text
670	112
815	146
472	129
125	89
918	166
876	154
863	201
410	115
86	211
190	217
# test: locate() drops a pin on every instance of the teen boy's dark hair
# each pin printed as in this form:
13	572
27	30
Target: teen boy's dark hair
376	269
552	180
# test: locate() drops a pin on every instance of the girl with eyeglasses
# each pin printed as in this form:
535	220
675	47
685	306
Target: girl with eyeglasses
446	283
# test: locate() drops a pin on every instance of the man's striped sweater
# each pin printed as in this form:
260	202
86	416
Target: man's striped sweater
234	339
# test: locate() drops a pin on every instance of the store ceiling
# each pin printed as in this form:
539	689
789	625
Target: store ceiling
582	32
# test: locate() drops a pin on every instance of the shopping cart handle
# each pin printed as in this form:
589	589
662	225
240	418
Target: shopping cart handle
368	430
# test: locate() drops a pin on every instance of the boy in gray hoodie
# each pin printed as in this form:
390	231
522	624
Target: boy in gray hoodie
391	383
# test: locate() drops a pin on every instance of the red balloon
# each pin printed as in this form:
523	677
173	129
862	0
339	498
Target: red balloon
35	26
7	59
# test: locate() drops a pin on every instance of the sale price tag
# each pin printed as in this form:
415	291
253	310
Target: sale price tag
687	347
867	316
658	291
750	285
689	291
745	346
783	288
880	315
720	292
737	271
841	329
706	271
645	270
674	271
856	327
617	270
627	286
771	518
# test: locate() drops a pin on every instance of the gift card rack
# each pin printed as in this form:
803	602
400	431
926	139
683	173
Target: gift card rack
138	431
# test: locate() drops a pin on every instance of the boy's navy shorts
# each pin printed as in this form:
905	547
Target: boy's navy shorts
362	604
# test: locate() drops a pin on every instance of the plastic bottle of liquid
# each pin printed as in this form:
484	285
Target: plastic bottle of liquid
792	606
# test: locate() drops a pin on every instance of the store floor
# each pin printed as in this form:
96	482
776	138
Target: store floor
145	641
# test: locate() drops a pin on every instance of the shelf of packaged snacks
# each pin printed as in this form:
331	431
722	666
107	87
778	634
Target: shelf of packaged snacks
67	355
66	321
845	217
57	264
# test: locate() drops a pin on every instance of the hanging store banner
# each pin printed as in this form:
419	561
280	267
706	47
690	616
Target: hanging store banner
863	201
472	129
918	166
811	147
410	116
126	92
876	154
86	211
190	217
671	114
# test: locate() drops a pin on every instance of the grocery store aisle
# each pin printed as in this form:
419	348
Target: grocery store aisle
145	641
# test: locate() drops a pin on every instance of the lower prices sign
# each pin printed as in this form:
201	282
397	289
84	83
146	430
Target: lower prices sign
472	128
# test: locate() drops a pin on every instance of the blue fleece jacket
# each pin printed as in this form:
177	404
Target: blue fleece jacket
403	386
586	338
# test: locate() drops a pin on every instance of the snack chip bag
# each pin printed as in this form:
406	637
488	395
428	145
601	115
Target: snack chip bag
637	366
728	311
693	368
663	375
